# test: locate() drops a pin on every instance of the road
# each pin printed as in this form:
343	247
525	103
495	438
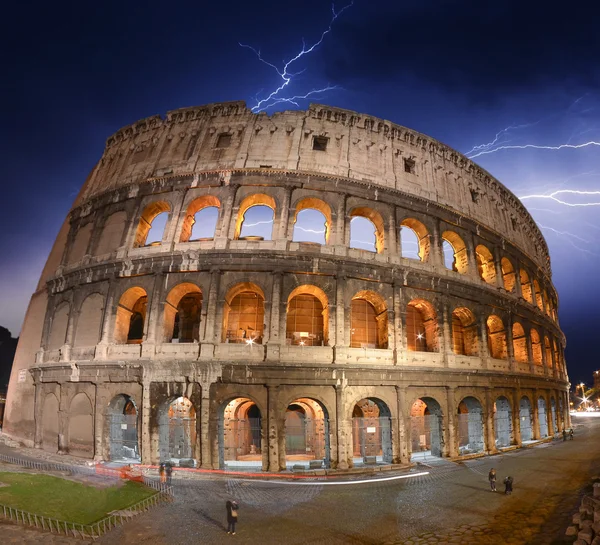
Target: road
451	504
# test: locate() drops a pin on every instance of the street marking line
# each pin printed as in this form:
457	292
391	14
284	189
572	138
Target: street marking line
322	483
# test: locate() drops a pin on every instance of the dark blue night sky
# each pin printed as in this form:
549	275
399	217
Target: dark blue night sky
459	71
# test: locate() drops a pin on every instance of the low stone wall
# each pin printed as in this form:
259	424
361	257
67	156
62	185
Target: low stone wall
586	523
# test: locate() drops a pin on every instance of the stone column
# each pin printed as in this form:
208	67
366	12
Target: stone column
437	253
285	213
341	344
510	348
343	435
530	352
275	326
399	351
549	418
340	235
470	244
154	316
489	422
543	349
145	423
554	366
392	244
65	351
99	407
518	287
401	452
482	344
516	416
107	322
38	438
205	443
445	339
498	267
273	424
451	449
63	421
536	415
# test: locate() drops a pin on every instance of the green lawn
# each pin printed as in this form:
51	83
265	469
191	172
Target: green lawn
67	500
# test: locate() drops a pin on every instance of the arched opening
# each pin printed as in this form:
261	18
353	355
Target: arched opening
243	314
307	317
131	316
509	277
183	310
152	224
426	431
456	257
177	432
81	427
464	332
200	219
526	419
496	337
526	286
307	434
414	240
538	295
368	321
89	321
366	230
421	326
312	222
112	233
50	423
122	416
503	426
240	435
80	244
485	264
371	432
542	417
536	347
58	327
548	307
519	343
255	218
470	426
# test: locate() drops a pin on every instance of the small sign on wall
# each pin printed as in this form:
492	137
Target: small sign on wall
23	375
123	426
371	429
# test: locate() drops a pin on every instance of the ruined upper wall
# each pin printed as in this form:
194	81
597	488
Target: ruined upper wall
360	147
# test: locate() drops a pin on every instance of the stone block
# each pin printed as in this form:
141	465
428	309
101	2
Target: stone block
572	531
596	540
586	536
576	518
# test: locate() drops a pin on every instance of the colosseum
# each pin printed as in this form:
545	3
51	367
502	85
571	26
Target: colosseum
318	289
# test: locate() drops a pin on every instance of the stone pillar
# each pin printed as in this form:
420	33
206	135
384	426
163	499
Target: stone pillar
518	286
516	416
437	253
470	244
549	418
99	407
530	352
107	322
63	421
510	348
554	366
340	235
401	451
392	244
273	426
451	449
146	446
340	330
154	316
38	438
498	267
399	350
445	339
482	340
65	351
275	326
536	415
543	349
205	443
343	429
489	422
209	340
285	213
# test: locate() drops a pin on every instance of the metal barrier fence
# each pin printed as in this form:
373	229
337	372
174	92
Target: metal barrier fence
163	494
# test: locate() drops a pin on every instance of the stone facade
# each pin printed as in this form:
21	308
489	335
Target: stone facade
232	349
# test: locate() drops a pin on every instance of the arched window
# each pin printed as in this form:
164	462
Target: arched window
182	314
485	264
368	321
421	326
307	317
536	347
538	295
366	230
152	224
508	274
244	314
200	219
89	321
464	332
112	233
312	222
526	286
519	343
548	304
58	329
131	316
496	337
548	352
80	244
414	240
455	252
255	218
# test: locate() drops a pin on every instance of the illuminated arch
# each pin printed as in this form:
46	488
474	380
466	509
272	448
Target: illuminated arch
536	346
421	326
131	316
485	264
196	206
538	295
150	213
496	335
183	310
375	218
243	314
526	286
312	203
421	234
258	199
460	261
464	332
509	278
548	351
307	316
368	321
519	343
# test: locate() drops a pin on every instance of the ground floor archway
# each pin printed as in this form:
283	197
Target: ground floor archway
122	416
470	426
177	432
426	428
240	434
50	423
371	432
307	434
503	426
525	419
542	417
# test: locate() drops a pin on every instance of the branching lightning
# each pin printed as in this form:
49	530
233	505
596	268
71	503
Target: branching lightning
533	146
553	196
286	76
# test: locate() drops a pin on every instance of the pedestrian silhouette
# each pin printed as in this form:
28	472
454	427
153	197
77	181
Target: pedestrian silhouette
492	479
232	516
571	434
508	485
564	435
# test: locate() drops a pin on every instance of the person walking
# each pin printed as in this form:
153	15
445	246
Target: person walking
492	479
232	516
162	472
169	472
571	434
564	435
508	485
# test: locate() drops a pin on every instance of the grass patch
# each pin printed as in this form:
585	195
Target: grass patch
67	500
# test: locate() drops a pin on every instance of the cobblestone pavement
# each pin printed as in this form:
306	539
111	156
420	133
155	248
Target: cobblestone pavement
451	504
10	533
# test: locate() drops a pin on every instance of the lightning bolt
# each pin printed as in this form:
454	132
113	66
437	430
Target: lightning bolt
286	76
310	230
535	146
553	196
257	223
569	236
